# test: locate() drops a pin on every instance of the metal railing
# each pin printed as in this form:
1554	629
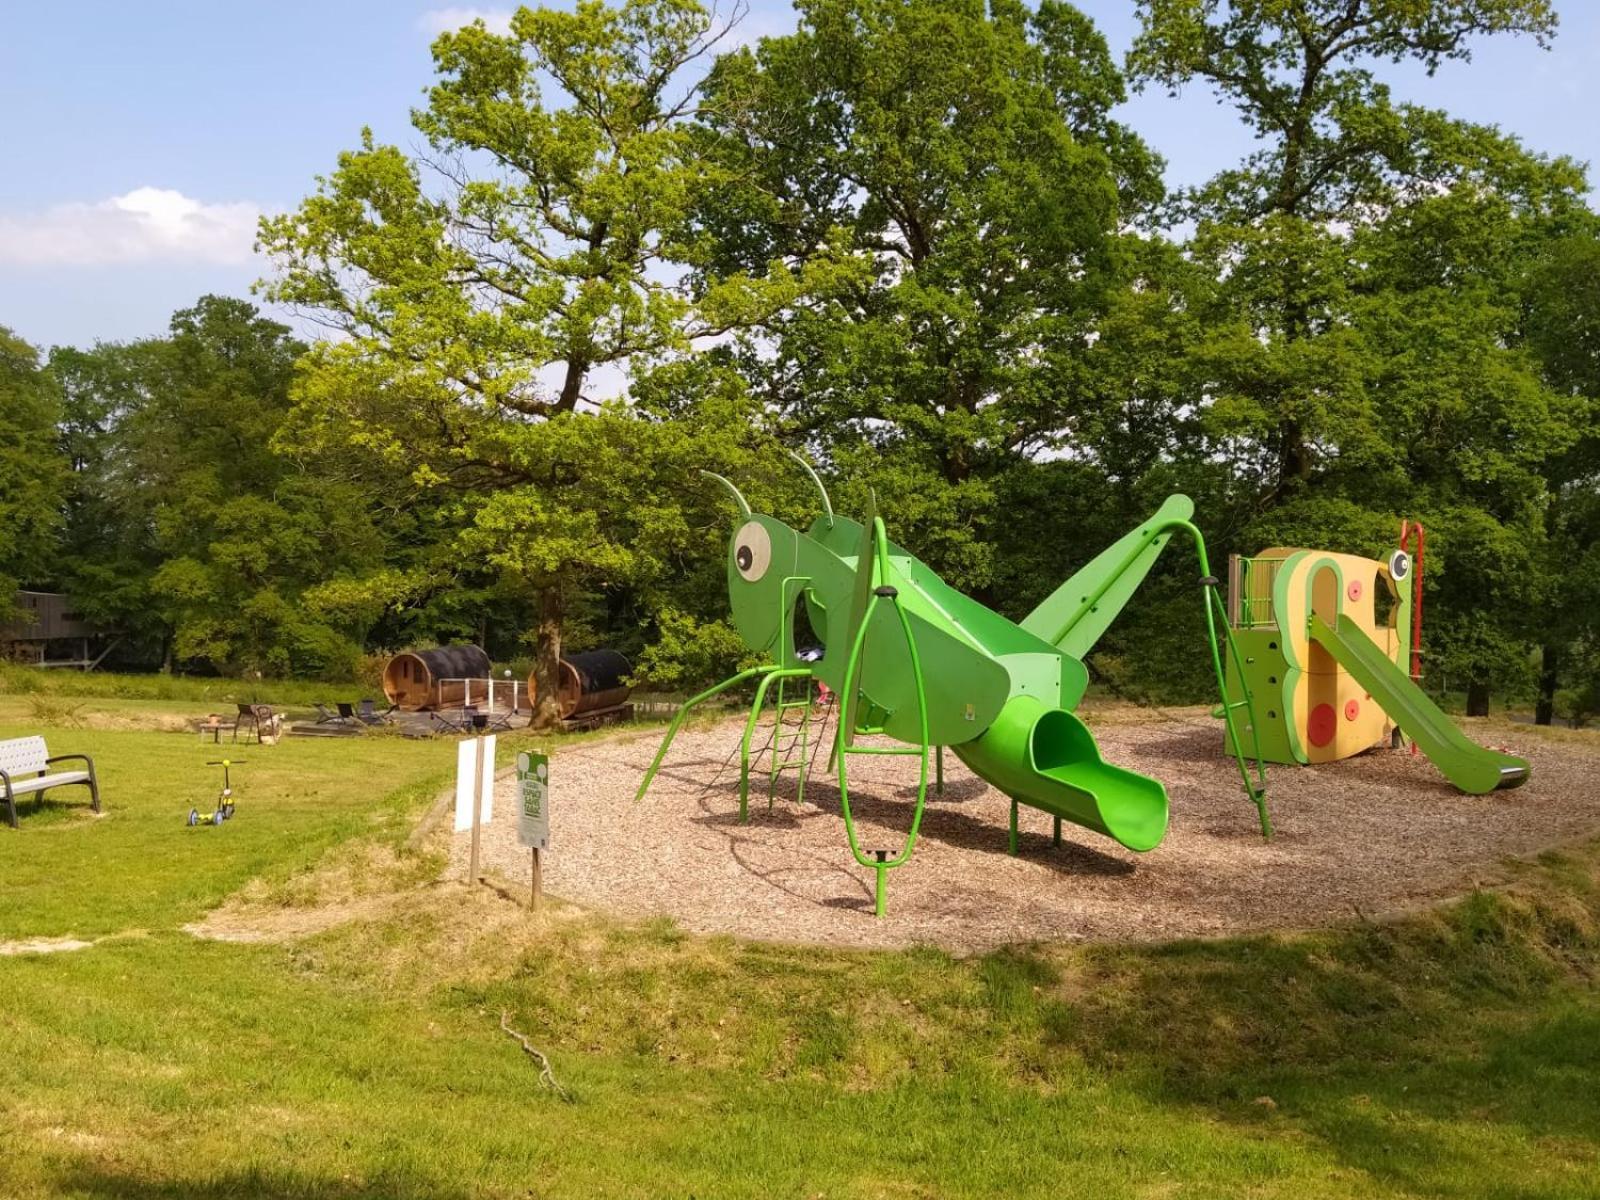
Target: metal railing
491	693
1250	586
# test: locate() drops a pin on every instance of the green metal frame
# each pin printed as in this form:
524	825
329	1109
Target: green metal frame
683	712
876	563
1258	612
1256	789
1216	613
785	758
778	675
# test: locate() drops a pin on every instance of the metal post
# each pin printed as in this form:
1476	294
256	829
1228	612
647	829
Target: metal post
536	891
938	771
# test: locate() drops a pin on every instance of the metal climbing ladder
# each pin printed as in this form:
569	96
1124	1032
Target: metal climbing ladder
795	755
1217	613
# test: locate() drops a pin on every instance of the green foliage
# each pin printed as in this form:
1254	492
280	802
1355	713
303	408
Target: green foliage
969	155
909	237
201	693
688	651
185	525
32	474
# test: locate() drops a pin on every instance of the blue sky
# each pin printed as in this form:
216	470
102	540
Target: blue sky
142	140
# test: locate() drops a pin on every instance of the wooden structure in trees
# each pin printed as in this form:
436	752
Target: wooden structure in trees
417	680
592	686
49	633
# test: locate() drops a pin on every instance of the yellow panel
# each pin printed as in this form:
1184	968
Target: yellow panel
1324	692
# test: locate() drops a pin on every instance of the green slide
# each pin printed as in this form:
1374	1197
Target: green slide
1464	763
1046	758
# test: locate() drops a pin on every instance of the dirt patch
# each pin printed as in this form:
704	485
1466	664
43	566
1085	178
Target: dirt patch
1366	837
43	946
241	922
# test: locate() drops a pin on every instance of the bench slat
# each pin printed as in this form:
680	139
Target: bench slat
38	783
23	756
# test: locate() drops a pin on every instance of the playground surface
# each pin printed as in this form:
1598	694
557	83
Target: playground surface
1365	838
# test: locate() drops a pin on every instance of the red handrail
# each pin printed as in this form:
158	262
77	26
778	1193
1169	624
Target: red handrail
1406	529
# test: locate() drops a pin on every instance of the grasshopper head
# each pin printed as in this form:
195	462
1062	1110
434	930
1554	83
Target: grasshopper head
761	555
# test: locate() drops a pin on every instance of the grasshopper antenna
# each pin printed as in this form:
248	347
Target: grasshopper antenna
827	505
738	497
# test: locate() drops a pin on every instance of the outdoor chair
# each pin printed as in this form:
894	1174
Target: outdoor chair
325	716
450	725
368	714
497	722
25	768
257	719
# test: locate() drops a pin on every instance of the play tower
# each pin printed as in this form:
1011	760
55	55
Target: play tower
1324	640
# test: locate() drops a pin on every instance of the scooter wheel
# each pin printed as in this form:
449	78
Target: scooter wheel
194	816
216	817
227	811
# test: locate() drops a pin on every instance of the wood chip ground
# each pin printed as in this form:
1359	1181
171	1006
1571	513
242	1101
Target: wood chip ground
1367	837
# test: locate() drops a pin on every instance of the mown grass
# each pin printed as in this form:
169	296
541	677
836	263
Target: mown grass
66	872
1455	1054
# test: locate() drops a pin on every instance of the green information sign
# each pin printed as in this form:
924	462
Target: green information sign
533	791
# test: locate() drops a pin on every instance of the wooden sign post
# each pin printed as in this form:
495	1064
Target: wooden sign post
474	796
533	816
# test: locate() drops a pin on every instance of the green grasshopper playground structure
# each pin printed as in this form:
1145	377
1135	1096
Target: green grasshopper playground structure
913	659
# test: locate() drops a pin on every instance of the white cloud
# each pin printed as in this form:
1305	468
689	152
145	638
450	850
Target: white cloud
146	225
441	20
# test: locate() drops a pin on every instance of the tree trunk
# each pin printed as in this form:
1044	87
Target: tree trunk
1549	679
547	659
1294	458
1478	698
572	385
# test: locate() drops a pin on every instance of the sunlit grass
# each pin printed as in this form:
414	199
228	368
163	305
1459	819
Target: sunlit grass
1455	1054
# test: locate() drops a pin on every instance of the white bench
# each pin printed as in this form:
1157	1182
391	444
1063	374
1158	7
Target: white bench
25	767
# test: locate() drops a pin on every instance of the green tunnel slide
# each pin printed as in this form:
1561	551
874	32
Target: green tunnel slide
1463	762
1047	758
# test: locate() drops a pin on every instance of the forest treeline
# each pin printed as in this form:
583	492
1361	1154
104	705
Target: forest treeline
910	239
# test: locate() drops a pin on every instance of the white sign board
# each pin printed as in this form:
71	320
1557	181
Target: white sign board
466	764
533	797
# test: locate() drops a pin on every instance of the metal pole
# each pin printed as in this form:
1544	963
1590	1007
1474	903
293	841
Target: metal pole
477	815
536	891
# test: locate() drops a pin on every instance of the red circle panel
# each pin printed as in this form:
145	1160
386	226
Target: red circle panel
1322	725
1354	590
1352	709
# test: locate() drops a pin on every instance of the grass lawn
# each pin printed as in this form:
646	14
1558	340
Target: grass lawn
139	866
1456	1054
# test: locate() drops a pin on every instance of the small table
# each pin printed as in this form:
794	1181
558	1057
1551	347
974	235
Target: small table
215	727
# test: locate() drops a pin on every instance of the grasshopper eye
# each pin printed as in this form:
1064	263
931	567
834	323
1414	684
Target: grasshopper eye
752	551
